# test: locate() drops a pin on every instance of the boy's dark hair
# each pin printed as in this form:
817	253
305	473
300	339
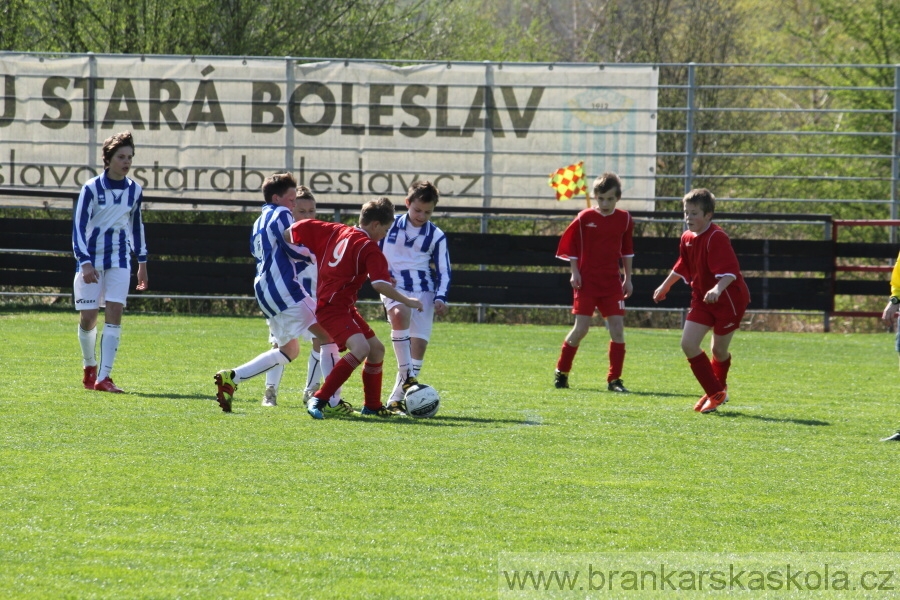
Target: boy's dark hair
378	209
113	143
606	182
424	191
304	193
276	185
702	198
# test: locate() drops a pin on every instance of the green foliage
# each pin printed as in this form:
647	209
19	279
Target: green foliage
157	493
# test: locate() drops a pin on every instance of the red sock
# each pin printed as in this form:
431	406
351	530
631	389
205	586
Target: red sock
703	371
371	377
339	374
566	356
721	370
616	360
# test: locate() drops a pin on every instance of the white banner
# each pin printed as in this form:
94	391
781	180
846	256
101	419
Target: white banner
487	134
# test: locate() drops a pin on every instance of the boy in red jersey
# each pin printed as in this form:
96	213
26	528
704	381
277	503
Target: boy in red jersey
594	243
719	296
346	257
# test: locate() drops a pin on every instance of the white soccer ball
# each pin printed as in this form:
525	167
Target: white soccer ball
422	401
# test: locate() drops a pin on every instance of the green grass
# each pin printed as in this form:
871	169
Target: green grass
158	494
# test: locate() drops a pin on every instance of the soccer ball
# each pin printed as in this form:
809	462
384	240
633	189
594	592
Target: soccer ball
422	401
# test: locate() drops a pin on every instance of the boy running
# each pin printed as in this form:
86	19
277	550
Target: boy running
719	296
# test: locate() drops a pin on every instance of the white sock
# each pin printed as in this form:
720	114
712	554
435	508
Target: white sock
330	357
313	369
397	391
400	341
88	341
416	367
109	345
260	364
273	376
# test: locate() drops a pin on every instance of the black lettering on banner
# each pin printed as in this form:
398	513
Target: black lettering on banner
265	99
407	103
88	87
123	92
9	102
348	127
206	95
305	90
229	187
164	108
61	105
377	110
88	171
484	98
245	173
521	120
443	127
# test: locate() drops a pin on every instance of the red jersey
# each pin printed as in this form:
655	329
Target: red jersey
345	257
706	257
598	243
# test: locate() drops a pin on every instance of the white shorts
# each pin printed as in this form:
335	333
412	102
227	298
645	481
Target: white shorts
292	323
112	287
420	323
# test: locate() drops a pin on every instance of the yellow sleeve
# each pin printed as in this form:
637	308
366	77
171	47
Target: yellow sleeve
895	279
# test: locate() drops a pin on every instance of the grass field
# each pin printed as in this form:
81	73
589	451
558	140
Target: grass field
158	494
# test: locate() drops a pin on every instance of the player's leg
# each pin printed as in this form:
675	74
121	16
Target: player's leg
721	357
399	316
616	353
345	332
87	303
329	355
613	310
570	348
691	340
372	376
273	376
314	372
113	295
87	339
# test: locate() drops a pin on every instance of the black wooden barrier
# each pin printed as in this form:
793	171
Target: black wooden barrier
498	269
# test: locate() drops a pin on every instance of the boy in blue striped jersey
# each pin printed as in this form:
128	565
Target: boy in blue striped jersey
417	254
289	309
106	228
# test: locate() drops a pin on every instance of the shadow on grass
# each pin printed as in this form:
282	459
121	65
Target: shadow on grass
603	390
437	421
736	414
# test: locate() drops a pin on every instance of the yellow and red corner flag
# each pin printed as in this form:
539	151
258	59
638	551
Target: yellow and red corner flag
569	182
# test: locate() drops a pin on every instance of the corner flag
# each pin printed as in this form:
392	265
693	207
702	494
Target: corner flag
569	182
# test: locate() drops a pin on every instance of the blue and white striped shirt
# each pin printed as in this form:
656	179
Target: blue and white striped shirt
277	262
107	225
412	251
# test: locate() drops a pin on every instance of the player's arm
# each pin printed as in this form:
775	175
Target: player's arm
627	286
440	256
79	235
890	310
140	243
575	278
659	293
712	296
388	291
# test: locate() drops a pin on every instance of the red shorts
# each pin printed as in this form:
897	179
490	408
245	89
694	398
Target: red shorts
609	306
341	324
723	316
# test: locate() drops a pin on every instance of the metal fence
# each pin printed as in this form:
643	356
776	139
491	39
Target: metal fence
764	138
